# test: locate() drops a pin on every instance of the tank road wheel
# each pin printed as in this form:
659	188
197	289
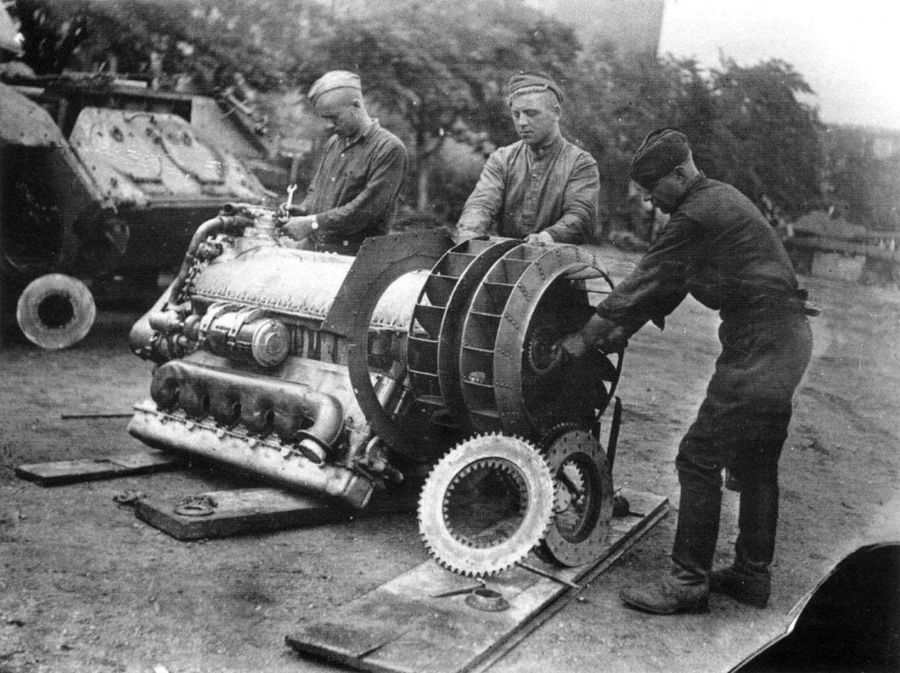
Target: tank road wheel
584	497
55	311
486	504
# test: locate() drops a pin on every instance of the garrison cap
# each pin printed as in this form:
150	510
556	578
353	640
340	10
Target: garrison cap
532	81
336	79
660	152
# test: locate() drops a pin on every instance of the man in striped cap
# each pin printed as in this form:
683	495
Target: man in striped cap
541	188
718	247
353	193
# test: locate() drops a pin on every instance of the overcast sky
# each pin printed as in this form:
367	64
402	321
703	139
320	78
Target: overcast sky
848	52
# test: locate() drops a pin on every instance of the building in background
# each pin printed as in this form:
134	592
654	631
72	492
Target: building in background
632	26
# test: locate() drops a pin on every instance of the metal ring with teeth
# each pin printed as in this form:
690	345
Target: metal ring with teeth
462	519
580	522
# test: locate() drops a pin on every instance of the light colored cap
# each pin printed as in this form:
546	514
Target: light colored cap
336	79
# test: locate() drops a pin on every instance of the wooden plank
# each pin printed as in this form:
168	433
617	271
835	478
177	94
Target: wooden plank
253	510
404	626
74	471
653	513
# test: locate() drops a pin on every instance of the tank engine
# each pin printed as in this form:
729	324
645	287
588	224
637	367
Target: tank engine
338	375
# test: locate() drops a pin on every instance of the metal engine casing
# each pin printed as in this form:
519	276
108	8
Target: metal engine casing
334	374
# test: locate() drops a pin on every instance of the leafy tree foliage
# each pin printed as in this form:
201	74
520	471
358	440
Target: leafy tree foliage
434	71
862	181
441	67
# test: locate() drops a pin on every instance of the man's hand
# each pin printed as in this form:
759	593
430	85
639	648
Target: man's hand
599	333
542	237
286	211
301	227
570	347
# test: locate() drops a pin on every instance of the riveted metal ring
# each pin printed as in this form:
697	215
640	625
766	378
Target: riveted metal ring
577	534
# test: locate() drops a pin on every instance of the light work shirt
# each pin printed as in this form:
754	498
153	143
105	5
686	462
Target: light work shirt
524	191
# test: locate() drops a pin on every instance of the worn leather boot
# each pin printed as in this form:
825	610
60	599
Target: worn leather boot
745	585
678	591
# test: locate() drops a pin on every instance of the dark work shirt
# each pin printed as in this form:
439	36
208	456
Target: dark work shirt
522	191
718	247
354	191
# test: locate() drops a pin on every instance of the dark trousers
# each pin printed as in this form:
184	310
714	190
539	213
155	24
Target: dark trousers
742	424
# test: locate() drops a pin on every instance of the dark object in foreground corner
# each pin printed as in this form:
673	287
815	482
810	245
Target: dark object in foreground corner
849	622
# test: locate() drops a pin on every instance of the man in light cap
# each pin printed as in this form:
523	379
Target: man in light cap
718	247
354	191
541	188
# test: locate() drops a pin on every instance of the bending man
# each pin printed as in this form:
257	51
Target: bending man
354	191
541	188
718	247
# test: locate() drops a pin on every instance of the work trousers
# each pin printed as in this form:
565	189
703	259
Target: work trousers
742	425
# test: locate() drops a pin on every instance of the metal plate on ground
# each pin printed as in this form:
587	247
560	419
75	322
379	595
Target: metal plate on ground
217	514
404	625
74	471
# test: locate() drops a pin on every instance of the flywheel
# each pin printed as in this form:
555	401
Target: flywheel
584	499
486	504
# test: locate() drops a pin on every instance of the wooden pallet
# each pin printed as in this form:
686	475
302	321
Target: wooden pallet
403	626
253	510
74	471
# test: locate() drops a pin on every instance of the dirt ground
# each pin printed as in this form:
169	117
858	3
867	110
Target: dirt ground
86	587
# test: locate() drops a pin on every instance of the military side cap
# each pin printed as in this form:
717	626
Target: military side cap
531	81
336	79
660	152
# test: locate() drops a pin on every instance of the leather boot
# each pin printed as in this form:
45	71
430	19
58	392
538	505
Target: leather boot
680	590
745	585
748	580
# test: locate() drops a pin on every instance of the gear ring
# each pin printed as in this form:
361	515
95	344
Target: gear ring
581	520
486	460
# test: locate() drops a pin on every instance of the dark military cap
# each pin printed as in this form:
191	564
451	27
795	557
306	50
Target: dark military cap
531	81
659	154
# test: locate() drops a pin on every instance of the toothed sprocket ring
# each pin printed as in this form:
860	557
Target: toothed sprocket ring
486	504
580	524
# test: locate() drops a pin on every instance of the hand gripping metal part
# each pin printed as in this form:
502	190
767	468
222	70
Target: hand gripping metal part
486	504
584	498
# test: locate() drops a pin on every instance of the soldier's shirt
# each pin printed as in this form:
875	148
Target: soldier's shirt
354	190
523	191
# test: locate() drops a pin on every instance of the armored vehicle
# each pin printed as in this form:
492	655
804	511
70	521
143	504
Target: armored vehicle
104	179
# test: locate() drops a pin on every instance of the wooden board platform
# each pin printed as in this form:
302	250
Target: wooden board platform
254	510
403	627
73	471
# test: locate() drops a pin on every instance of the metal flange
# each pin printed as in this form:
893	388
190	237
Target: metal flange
584	500
486	504
379	263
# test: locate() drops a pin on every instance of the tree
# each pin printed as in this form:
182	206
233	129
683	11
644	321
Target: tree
441	67
777	135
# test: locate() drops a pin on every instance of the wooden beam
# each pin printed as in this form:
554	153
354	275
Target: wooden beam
88	469
252	510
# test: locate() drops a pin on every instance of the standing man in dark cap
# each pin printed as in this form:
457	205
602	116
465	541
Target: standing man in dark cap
718	247
354	191
541	188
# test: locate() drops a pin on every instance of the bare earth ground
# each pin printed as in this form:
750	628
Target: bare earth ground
85	586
